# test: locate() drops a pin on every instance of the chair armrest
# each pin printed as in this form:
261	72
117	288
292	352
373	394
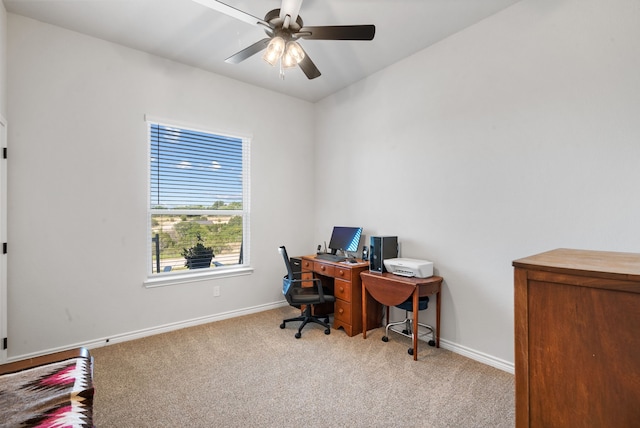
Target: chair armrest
317	284
306	280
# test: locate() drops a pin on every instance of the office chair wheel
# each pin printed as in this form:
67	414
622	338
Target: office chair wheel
405	332
327	331
432	343
282	325
298	335
326	320
410	351
385	339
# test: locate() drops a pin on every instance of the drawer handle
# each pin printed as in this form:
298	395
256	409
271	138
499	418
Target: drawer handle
341	310
323	268
342	289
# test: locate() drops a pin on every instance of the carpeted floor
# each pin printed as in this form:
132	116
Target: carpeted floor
247	372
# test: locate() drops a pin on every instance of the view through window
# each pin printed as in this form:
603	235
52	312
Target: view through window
198	211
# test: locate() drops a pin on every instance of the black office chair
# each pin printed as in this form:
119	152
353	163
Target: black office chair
299	296
407	306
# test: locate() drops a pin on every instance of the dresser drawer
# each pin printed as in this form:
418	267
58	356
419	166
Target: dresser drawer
342	311
342	290
323	269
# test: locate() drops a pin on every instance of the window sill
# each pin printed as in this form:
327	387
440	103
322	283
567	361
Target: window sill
183	278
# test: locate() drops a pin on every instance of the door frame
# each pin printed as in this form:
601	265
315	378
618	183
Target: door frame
3	239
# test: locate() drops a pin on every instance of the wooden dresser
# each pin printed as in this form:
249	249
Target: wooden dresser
577	339
345	283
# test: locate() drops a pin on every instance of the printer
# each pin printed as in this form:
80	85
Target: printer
409	267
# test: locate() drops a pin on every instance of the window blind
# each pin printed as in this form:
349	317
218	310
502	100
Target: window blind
194	170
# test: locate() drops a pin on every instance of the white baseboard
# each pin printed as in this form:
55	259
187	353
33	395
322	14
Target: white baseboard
138	334
481	357
478	356
184	324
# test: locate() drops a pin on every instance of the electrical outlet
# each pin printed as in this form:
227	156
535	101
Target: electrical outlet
216	291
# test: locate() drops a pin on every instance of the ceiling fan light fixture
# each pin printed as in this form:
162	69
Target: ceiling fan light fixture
288	61
295	51
274	50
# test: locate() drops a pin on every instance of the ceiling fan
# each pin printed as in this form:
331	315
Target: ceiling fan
284	27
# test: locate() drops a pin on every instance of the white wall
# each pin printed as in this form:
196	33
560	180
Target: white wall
77	186
513	137
516	136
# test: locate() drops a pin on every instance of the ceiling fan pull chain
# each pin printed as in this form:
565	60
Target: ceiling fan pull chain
281	70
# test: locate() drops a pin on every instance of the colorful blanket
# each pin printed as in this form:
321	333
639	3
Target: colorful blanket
54	395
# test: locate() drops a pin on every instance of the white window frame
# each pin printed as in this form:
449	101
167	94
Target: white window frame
171	278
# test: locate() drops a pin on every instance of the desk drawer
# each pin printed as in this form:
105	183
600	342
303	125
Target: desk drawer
342	290
307	265
342	273
323	269
309	277
342	311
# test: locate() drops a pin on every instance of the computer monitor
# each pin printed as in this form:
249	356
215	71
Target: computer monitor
345	239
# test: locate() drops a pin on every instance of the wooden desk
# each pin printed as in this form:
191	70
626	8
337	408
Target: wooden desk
577	316
344	281
391	290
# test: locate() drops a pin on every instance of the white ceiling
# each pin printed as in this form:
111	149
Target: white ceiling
187	32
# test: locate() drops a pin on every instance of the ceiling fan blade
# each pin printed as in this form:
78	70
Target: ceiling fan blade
247	52
308	67
338	32
291	8
233	12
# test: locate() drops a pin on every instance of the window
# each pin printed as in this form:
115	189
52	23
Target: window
198	202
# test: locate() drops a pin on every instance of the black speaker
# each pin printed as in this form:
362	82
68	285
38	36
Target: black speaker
382	247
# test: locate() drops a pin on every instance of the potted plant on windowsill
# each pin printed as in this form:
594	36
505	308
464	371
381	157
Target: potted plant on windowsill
198	256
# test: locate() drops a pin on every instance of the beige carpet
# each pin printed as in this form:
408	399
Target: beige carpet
247	372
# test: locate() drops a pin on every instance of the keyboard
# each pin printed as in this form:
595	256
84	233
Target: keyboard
330	257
